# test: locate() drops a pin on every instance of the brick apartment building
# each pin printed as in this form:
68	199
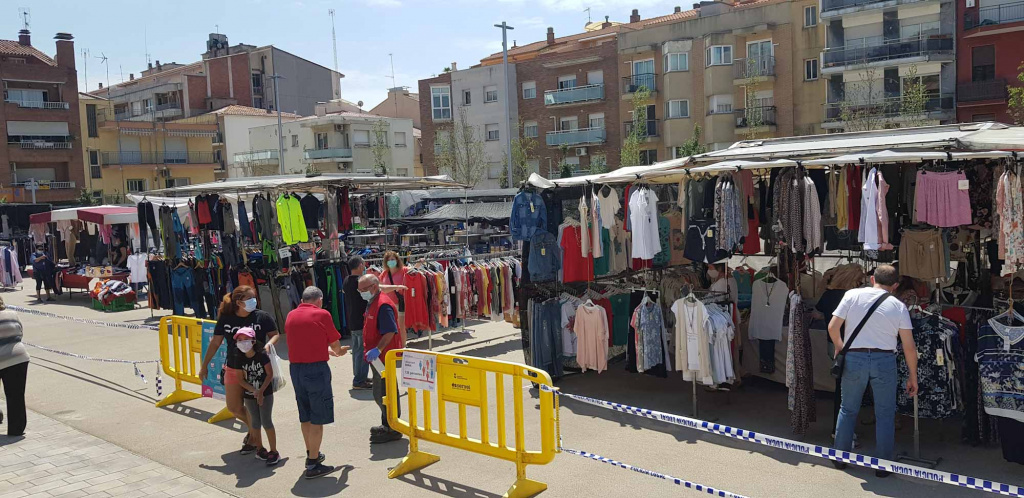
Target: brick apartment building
988	55
41	120
435	113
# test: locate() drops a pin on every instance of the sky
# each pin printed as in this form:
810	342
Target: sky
424	36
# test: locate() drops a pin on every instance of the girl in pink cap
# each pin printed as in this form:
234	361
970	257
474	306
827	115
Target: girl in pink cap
256	376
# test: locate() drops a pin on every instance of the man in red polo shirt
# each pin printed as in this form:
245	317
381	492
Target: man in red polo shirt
380	335
312	340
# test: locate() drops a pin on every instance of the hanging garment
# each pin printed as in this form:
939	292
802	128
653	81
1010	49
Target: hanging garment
643	216
528	215
575	267
591	328
289	216
942	199
812	217
650	334
799	370
692	340
939	364
767	307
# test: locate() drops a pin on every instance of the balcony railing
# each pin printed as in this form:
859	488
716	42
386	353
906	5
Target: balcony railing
115	158
982	90
38	104
887	50
632	84
755	67
45	185
334	153
755	116
996	14
257	156
39	141
575	94
889	107
650	128
576	137
135	113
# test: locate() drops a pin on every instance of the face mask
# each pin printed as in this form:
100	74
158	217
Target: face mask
713	273
366	295
244	346
250	304
392	263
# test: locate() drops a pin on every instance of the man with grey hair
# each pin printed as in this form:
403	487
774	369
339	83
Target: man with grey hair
380	335
312	340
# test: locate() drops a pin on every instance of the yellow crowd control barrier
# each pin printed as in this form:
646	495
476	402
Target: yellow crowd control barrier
181	350
466	381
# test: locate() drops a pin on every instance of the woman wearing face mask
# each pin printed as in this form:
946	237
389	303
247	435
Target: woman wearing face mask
394	274
719	282
238	310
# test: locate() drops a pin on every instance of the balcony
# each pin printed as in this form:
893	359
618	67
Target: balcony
996	14
829	6
977	91
574	95
757	67
889	108
650	128
40	142
876	50
266	156
45	185
753	117
38	104
168	110
333	154
632	84
129	158
579	136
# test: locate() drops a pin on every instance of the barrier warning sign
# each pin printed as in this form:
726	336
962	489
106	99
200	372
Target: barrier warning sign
419	371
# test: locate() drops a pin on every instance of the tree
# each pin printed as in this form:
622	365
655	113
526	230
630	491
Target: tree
914	100
692	147
1015	104
863	106
459	151
522	152
85	198
598	164
380	148
630	153
754	112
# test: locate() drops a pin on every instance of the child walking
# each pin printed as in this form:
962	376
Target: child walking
258	395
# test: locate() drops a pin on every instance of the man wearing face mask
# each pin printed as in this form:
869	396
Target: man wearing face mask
380	335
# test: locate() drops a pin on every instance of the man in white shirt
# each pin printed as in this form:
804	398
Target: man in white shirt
871	358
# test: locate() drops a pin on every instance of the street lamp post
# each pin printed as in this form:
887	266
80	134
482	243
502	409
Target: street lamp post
280	138
508	92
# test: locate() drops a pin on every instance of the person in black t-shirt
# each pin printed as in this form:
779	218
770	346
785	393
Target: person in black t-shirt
238	310
256	378
355	306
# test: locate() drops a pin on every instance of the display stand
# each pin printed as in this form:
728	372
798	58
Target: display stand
916	457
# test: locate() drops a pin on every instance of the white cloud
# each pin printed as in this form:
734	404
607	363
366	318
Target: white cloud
528	22
383	3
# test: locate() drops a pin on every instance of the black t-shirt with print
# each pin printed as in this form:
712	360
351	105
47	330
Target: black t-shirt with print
255	371
228	325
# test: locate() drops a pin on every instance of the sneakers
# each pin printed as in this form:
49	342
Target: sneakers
262	454
385	436
362	387
319	459
319	470
379	429
247	449
272	458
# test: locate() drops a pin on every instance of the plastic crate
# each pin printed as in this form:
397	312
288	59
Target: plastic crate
118	304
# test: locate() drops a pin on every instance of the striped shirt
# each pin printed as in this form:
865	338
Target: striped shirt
12	351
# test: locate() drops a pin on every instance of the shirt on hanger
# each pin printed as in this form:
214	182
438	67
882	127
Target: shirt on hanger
767	307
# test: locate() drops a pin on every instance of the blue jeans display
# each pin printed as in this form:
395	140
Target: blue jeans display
546	336
878	369
183	288
359	364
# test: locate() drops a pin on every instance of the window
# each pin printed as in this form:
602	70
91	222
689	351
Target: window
490	93
570	123
810	16
677	62
321	141
97	194
16	60
930	82
440	139
257	82
678	109
529	90
90	118
530	129
147	104
402	171
467	97
565	82
135	185
648	157
983	63
810	69
493	171
95	171
361	138
177	182
492	131
400	139
719	55
596	120
720	104
295	140
919	30
441	102
595	77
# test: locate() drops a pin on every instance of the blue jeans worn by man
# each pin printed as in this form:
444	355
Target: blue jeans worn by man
860	369
360	367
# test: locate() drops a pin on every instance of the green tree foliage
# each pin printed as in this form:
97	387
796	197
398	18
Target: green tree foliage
629	155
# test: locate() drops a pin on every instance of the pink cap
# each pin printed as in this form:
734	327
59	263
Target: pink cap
245	333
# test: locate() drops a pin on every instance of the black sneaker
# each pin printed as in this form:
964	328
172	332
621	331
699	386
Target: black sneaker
319	470
380	429
319	459
385	437
882	473
247	449
839	465
261	454
272	458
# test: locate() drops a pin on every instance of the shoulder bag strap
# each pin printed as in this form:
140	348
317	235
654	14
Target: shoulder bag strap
871	311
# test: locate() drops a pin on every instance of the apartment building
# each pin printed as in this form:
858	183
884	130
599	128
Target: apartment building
40	118
872	46
232	139
329	142
988	55
738	71
226	75
124	157
400	103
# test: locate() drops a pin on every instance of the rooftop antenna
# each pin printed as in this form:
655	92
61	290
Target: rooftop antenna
26	15
216	28
85	68
393	83
103	60
334	39
587	10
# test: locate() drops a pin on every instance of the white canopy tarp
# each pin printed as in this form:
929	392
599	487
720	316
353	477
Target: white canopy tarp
622	175
1011	138
889	156
310	183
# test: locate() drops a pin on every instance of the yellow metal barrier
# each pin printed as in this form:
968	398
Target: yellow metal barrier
464	381
181	350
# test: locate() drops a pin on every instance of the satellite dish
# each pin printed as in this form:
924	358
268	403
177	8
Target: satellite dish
359	104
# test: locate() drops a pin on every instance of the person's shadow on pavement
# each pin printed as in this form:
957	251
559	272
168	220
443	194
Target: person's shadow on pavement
327	485
246	468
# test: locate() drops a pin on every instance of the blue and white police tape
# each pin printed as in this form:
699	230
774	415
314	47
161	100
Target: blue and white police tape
135	364
87	321
682	482
803	448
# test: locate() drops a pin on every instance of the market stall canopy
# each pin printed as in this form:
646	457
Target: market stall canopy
621	175
889	156
102	215
305	183
487	212
442	195
1009	138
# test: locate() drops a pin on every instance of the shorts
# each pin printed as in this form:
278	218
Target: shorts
921	255
313	394
230	376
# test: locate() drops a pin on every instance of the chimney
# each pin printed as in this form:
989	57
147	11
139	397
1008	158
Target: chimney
131	76
149	65
158	68
606	23
696	6
678	9
454	67
635	17
24	38
551	36
101	85
65	51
